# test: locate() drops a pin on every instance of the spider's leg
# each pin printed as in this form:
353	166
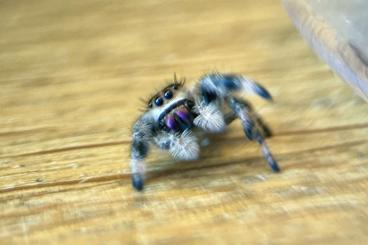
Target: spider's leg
267	133
231	116
213	89
142	134
181	145
217	85
139	152
251	128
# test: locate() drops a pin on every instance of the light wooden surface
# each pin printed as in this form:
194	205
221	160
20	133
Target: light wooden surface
71	75
344	57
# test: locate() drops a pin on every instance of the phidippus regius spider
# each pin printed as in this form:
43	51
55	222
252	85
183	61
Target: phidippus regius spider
175	116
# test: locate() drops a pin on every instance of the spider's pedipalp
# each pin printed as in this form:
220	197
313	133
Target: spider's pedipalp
210	118
181	146
185	146
252	128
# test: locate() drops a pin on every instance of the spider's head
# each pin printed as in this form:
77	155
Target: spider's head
171	107
166	95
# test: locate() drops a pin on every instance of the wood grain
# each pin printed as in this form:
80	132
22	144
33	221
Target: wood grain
71	75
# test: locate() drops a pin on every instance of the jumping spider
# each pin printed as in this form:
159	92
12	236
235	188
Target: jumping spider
175	117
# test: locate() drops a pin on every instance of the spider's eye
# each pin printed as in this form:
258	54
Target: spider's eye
159	101
168	94
150	105
175	86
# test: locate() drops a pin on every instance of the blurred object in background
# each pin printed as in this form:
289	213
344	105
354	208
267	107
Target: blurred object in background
335	30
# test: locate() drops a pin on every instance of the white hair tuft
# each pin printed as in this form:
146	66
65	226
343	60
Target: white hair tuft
184	146
210	118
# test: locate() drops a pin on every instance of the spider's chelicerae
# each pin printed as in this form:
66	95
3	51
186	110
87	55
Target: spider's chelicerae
176	116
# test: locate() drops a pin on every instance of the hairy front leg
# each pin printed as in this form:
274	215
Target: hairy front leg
137	166
142	134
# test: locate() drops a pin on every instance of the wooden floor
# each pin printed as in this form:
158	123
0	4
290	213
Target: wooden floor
71	75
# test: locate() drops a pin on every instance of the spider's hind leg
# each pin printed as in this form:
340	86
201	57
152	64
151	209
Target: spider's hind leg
253	127
265	130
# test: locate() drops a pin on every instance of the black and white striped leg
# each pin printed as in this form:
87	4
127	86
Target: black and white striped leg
267	153
217	85
252	128
265	130
138	153
230	117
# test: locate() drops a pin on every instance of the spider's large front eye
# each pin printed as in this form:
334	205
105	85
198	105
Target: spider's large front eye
168	94
159	101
